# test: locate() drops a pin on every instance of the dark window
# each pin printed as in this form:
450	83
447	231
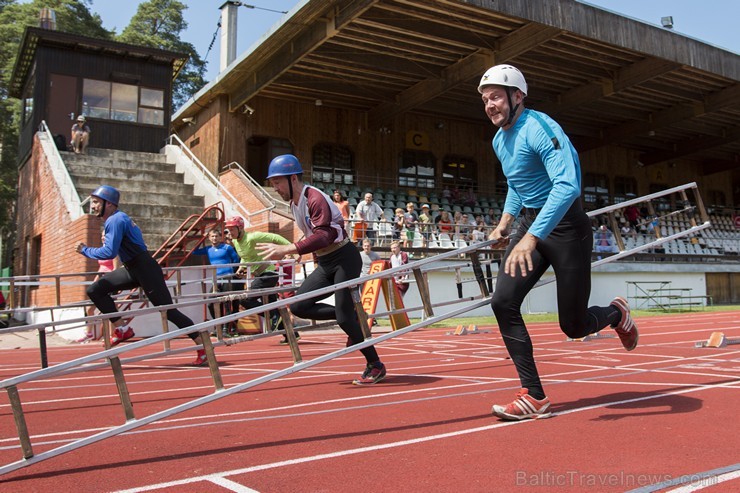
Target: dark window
122	102
661	203
595	191
332	163
717	197
460	172
416	169
625	188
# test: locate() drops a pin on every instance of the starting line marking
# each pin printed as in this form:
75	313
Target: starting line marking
402	443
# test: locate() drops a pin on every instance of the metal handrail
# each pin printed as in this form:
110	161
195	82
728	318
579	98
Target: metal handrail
61	175
260	188
208	176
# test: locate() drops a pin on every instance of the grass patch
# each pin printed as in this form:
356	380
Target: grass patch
553	317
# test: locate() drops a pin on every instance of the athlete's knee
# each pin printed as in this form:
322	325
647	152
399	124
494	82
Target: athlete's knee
574	329
503	305
300	308
179	319
95	291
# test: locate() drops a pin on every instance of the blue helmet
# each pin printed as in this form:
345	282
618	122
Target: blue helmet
284	165
107	193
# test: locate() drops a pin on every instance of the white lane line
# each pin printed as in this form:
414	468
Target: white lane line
481	380
707	483
402	443
694	481
230	485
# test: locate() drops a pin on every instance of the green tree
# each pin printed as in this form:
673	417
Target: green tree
158	24
71	16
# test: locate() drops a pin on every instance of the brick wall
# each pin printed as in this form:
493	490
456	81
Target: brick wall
41	212
273	222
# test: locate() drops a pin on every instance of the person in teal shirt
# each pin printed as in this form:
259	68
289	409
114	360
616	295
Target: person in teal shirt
543	174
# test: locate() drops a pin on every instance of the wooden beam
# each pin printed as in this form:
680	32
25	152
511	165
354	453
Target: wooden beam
687	148
428	89
679	113
524	39
718	166
313	36
520	41
629	76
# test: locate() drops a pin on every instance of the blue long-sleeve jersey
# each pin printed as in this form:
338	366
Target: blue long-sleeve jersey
218	255
541	168
122	238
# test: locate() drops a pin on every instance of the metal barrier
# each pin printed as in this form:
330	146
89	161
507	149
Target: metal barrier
419	269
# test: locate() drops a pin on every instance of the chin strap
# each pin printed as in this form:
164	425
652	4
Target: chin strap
102	209
512	111
290	187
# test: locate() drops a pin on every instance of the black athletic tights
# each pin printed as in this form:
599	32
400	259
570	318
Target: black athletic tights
568	250
144	272
341	265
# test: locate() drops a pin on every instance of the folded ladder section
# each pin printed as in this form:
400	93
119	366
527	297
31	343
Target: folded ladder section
112	355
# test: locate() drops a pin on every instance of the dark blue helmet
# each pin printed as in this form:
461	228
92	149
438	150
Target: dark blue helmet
284	165
107	193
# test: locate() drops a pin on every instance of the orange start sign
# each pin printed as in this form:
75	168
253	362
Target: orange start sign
371	291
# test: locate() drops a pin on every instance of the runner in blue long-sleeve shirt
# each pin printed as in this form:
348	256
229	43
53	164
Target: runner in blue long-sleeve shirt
544	178
123	238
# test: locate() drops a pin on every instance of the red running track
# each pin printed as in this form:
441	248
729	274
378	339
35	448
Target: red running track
661	415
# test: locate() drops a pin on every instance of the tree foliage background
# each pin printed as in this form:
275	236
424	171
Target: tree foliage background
157	24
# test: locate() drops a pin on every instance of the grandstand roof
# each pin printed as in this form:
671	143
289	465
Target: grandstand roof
608	79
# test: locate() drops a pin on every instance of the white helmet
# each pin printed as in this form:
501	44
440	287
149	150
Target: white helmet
503	75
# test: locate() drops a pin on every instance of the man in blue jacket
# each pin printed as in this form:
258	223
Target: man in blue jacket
123	238
543	174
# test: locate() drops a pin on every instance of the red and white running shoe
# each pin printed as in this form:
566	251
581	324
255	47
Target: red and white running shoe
524	407
626	328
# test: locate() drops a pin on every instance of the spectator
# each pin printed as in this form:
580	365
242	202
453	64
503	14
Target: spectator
444	224
398	222
425	224
399	258
604	240
341	202
370	213
490	217
478	235
368	256
632	214
104	266
469	197
80	136
220	253
409	221
464	227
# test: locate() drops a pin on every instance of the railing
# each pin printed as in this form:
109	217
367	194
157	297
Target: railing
67	189
265	197
112	356
207	178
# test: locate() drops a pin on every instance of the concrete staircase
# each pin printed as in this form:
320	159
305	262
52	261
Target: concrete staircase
152	193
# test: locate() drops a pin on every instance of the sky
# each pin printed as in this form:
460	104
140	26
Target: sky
711	21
